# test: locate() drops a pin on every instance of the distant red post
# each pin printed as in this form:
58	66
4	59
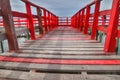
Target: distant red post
95	20
39	14
110	43
78	19
74	21
45	21
87	19
57	21
82	22
67	20
49	20
30	19
77	22
9	25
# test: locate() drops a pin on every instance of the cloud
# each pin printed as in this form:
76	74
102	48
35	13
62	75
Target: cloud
62	7
59	7
18	5
106	4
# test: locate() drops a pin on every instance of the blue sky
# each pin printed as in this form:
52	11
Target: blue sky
59	7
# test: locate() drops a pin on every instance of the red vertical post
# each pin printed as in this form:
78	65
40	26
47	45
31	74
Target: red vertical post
82	22
54	21
71	21
78	19
30	19
57	21
19	23
39	14
75	20
95	20
87	19
49	20
67	20
110	43
9	25
45	21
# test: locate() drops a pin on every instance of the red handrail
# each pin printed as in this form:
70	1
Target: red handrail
106	21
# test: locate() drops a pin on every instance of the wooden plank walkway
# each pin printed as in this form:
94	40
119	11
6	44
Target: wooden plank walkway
62	54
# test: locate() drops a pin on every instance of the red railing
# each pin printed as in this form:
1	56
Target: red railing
44	19
64	21
105	21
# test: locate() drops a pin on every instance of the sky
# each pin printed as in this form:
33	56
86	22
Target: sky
59	7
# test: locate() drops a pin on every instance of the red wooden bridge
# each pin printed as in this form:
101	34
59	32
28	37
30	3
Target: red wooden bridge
66	48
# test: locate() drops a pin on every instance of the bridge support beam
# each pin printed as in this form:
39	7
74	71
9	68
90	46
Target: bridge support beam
9	25
45	20
39	14
82	22
95	20
30	19
110	43
87	20
78	20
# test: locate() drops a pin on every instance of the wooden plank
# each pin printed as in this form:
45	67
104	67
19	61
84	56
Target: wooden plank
60	68
62	49
9	74
85	41
64	52
63	46
77	44
59	61
73	39
60	56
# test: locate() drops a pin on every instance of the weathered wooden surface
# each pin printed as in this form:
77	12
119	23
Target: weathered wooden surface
53	76
64	43
46	76
59	56
59	68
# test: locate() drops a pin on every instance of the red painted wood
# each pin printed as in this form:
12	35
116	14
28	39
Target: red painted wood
110	43
82	20
95	20
45	20
49	20
30	19
87	20
58	61
39	14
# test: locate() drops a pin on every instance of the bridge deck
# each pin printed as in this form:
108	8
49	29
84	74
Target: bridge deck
62	54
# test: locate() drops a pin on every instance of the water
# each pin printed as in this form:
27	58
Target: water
5	43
